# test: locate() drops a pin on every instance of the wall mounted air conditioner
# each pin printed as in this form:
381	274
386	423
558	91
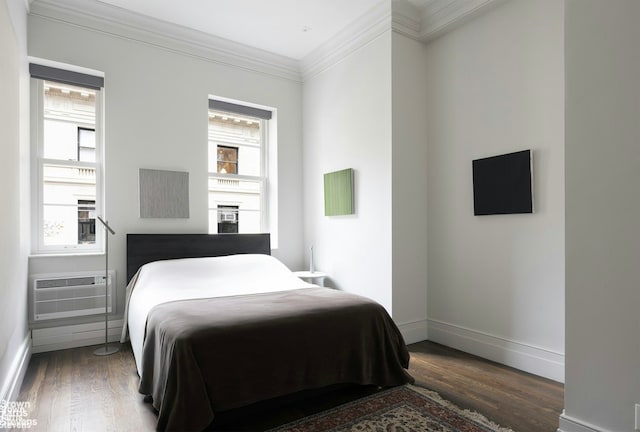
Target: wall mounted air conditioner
229	217
78	294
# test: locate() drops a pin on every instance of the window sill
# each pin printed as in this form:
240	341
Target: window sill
63	255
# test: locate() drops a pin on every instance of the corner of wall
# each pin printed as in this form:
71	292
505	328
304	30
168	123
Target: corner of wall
408	176
413	332
570	424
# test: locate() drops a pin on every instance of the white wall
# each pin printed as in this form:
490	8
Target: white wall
14	347
496	283
347	124
156	117
602	215
409	187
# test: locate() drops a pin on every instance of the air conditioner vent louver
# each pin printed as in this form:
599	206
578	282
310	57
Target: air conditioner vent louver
77	295
66	282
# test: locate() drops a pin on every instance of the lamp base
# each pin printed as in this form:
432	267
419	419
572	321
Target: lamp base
106	350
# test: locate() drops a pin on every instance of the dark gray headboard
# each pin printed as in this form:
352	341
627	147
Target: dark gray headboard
145	248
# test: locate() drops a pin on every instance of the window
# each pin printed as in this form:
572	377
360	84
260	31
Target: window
227	159
238	155
227	219
86	144
67	160
86	221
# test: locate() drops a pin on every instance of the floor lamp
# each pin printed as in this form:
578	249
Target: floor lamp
106	349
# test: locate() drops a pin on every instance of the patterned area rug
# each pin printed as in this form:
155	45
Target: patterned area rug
400	409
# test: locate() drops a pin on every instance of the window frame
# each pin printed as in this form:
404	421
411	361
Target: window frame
38	162
225	209
86	206
267	199
235	163
79	138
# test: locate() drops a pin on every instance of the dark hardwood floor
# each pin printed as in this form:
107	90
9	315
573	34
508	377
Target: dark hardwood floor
73	390
512	398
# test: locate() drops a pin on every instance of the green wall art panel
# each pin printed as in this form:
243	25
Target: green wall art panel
338	193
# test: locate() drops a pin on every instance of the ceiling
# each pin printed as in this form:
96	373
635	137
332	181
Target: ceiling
293	39
292	28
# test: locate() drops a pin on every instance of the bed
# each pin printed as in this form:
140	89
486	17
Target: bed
216	323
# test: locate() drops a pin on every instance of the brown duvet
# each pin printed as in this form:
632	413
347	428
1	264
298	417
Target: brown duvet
208	355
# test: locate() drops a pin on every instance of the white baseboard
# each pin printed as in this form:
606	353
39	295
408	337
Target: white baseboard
414	331
74	336
535	360
10	388
570	424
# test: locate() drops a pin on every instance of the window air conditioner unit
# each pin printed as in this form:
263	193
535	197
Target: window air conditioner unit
229	217
74	295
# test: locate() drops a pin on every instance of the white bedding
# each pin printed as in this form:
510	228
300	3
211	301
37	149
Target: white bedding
191	278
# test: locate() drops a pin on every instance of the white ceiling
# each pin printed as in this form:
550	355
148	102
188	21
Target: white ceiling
292	28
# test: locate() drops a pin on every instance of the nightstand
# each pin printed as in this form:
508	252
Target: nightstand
310	277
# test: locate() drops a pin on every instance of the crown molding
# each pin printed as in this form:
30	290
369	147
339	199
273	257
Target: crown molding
104	18
406	19
424	20
362	31
421	20
441	16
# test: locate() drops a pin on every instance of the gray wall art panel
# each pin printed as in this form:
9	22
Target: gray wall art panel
164	194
